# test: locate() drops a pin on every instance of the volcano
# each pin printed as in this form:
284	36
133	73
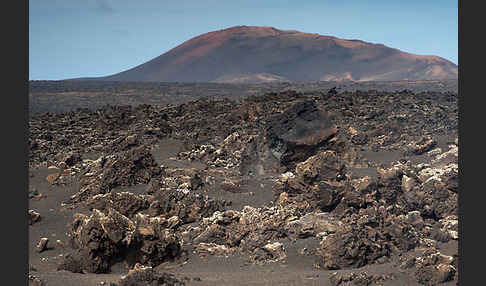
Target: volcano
249	54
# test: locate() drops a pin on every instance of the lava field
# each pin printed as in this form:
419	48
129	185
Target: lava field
329	187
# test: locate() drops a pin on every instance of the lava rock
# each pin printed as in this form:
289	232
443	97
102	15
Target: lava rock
128	204
295	134
69	159
313	224
270	252
189	207
98	240
358	278
42	245
146	275
52	178
204	249
422	146
359	139
34	217
103	239
324	166
432	267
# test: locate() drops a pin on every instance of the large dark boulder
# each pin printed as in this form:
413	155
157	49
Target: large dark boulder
296	133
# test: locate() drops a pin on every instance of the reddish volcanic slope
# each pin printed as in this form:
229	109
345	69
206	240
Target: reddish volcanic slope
262	54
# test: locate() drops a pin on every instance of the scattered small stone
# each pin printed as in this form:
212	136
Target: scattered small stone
60	243
42	245
407	183
34	217
358	278
33	193
35	281
422	146
53	177
146	275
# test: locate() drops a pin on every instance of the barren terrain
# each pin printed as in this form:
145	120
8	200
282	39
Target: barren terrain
216	184
63	96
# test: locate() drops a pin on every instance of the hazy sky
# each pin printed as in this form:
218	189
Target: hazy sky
73	38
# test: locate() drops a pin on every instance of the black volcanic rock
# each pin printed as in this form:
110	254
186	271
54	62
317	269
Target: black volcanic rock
295	134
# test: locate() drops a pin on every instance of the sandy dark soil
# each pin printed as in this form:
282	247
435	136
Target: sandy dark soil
290	188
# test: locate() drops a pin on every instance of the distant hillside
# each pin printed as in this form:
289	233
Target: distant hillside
246	54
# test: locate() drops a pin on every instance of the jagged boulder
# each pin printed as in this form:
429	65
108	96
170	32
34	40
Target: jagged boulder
430	266
362	278
98	240
367	237
271	252
188	206
296	133
421	146
127	168
146	275
155	240
324	166
312	224
101	239
128	204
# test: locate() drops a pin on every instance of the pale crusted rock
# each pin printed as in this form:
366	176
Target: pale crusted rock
100	239
391	176
433	267
407	183
271	252
322	166
286	176
213	249
436	173
358	278
312	224
446	157
116	226
156	240
369	236
42	245
125	203
34	217
450	225
146	275
364	184
348	248
188	206
35	281
424	145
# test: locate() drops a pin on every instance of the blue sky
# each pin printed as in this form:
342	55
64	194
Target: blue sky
72	38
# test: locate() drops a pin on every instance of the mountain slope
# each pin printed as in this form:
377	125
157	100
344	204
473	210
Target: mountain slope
260	54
